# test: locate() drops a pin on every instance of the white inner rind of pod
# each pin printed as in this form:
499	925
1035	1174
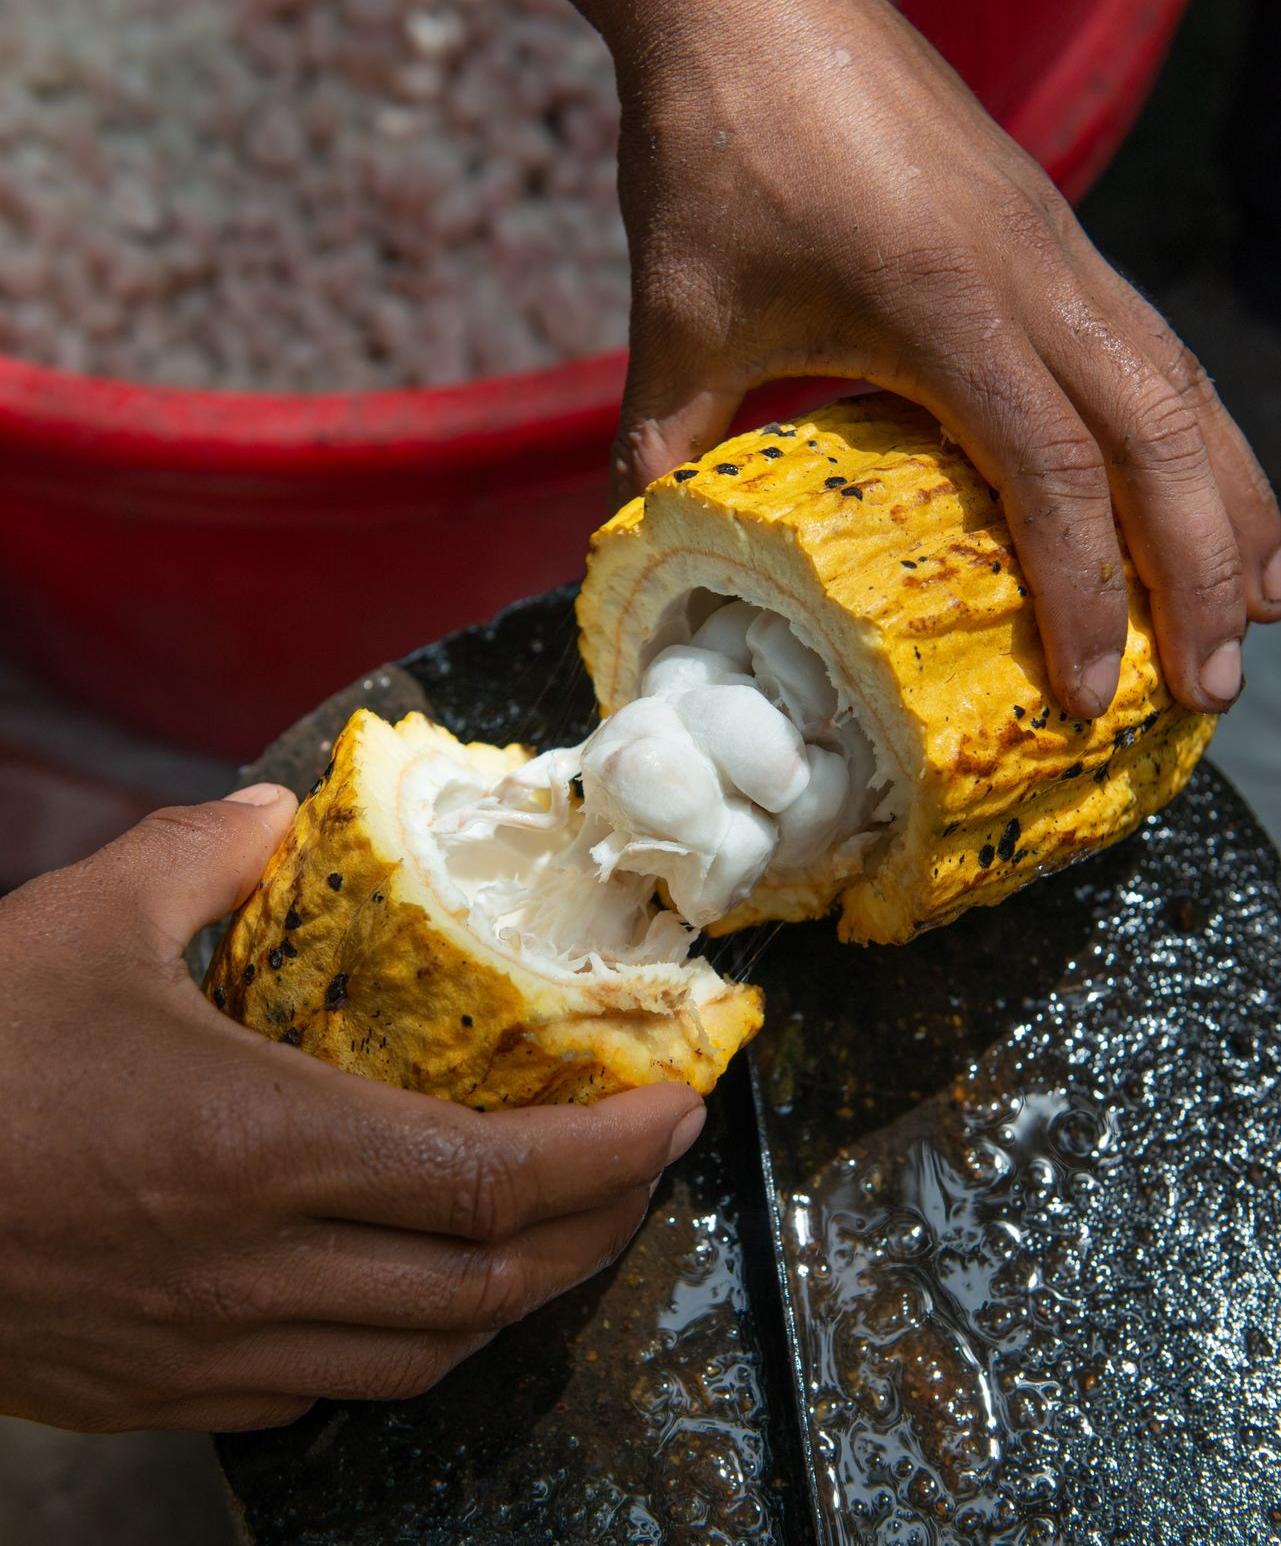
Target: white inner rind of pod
738	763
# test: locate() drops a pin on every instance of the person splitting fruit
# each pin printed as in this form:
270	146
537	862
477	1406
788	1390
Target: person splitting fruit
807	189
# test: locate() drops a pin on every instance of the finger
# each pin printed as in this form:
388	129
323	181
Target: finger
1251	506
469	1292
1030	443
186	866
677	403
354	1275
1247	496
371	1154
1166	495
342	1363
235	1413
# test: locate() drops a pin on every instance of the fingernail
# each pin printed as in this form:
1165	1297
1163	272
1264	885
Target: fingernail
1221	673
1272	579
1099	682
685	1132
256	794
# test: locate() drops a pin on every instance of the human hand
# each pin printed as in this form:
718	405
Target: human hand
200	1228
812	190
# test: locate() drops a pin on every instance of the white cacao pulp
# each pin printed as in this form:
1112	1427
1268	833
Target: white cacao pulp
735	763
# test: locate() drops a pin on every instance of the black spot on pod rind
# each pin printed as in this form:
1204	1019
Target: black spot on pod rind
336	992
1074	771
1100	773
729	469
220	998
250	972
468	1022
1009	840
289	949
1019	711
275	960
837	482
292	919
852	492
293	1036
772	452
996	567
334	881
684	474
907	563
986	854
994	496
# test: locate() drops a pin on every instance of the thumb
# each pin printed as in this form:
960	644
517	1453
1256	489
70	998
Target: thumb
676	405
185	866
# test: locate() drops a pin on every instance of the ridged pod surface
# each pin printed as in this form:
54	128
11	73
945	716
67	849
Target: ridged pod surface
889	554
346	950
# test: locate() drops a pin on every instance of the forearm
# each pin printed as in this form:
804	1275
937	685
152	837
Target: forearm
696	54
637	28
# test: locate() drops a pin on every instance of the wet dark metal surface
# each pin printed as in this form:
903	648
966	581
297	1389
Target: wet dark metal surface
1022	1177
1041	1304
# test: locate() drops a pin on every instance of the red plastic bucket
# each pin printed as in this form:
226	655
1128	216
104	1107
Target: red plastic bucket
206	566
